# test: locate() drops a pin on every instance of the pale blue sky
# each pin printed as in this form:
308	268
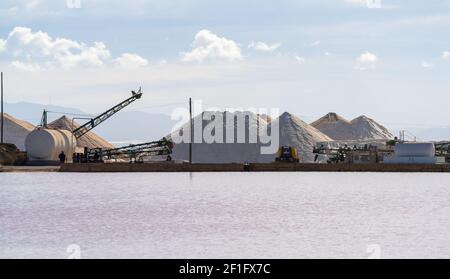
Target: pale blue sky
307	57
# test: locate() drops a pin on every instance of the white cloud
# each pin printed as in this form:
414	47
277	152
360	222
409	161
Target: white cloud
328	53
2	45
367	3
367	57
299	59
355	1
130	60
316	43
95	55
265	47
445	55
207	46
30	4
366	61
425	64
38	47
31	50
26	66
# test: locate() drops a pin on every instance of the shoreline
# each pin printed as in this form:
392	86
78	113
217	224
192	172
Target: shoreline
257	167
271	167
29	169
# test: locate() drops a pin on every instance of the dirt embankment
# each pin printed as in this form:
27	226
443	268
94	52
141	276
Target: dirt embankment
273	167
10	155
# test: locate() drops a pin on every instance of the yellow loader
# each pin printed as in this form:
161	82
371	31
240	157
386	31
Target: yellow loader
287	154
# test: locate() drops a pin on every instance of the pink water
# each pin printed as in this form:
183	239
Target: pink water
225	215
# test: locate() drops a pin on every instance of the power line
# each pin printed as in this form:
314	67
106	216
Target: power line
71	114
160	106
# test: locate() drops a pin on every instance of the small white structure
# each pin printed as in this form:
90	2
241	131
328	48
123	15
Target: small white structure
413	153
46	144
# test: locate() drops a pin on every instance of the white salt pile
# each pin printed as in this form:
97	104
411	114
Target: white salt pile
90	140
292	132
15	131
368	129
296	133
359	129
334	126
235	152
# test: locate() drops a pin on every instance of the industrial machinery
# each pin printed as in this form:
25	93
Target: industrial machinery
334	155
88	126
361	153
287	154
443	150
45	144
135	152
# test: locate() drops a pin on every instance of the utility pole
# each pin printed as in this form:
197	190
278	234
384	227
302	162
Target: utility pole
44	120
191	130
2	118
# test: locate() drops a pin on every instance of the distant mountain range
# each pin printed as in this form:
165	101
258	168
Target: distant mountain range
32	112
134	126
437	134
123	128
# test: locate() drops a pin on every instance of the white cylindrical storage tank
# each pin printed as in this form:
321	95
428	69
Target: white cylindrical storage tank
47	144
425	149
70	143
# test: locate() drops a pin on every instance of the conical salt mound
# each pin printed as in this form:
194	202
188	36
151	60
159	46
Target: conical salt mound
90	140
366	128
15	131
334	126
296	133
226	151
359	129
331	117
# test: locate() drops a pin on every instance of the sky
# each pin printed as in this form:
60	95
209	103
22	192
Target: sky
389	60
